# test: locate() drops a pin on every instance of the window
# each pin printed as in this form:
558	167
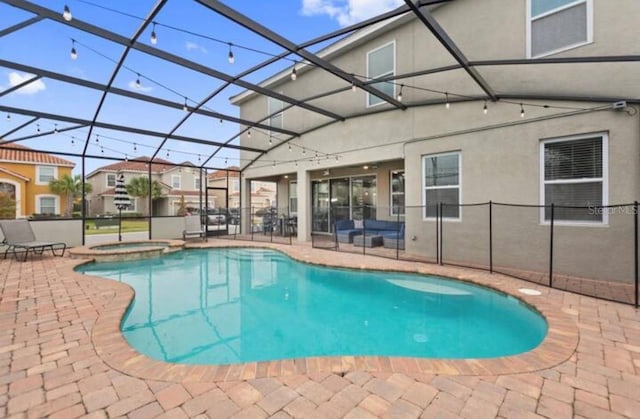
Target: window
275	105
381	63
442	184
175	181
293	197
196	183
46	174
557	25
111	180
573	174
47	204
397	192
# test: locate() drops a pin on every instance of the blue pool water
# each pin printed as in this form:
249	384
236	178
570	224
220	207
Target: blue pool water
220	306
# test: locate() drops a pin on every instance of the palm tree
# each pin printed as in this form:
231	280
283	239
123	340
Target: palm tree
71	187
139	187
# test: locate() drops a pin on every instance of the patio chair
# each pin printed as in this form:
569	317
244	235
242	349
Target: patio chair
193	227
18	235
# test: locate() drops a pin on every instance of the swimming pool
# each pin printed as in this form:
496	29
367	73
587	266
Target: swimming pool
221	306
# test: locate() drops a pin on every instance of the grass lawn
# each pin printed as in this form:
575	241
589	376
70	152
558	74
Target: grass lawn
128	226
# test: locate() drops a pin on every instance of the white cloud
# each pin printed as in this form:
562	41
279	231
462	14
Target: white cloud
190	46
141	88
32	88
347	12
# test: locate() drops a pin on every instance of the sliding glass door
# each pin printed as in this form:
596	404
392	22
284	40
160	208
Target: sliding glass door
342	199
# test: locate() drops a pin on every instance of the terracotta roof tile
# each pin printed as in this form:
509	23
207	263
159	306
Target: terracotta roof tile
223	173
136	166
19	153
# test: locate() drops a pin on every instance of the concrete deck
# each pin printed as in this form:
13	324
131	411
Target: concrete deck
62	356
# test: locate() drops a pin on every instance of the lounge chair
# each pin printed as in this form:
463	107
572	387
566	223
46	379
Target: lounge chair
18	235
193	227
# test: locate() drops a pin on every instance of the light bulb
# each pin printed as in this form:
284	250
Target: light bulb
135	147
485	109
353	87
66	14
73	142
521	111
230	57
249	133
304	150
400	94
74	53
38	127
8	117
294	74
447	105
138	82
270	141
185	107
290	149
55	129
154	37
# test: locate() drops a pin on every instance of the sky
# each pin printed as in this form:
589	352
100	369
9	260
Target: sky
203	37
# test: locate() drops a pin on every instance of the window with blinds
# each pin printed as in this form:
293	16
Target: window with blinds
381	62
442	184
574	176
556	25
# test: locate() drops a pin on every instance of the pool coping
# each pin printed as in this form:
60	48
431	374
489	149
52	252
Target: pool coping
558	345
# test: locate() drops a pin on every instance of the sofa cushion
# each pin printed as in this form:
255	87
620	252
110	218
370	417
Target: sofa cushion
344	225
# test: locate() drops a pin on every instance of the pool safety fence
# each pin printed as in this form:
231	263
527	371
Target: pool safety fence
260	224
588	250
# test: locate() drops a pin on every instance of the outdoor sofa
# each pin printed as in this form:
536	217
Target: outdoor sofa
346	229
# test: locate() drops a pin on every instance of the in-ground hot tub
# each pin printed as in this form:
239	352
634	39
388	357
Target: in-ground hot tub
130	250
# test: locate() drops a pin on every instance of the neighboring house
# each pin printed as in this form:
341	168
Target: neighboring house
25	177
543	143
263	193
176	182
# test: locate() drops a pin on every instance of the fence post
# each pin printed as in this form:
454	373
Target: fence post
398	235
490	236
271	223
437	224
364	232
635	245
551	247
441	236
251	221
289	226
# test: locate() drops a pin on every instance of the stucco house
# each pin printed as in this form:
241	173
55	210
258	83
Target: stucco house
263	193
25	177
520	110
176	182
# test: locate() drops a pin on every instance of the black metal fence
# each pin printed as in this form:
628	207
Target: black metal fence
586	250
261	224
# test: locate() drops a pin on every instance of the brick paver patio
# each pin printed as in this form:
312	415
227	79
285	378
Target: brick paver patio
61	356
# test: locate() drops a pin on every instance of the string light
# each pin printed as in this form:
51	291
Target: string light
485	109
38	128
55	128
199	158
353	87
221	121
447	105
225	161
249	133
154	37
8	117
521	111
304	150
185	107
73	141
230	57
296	163
135	147
290	149
126	158
97	138
336	157
101	150
138	81
400	94
74	53
167	153
270	140
294	73
66	14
